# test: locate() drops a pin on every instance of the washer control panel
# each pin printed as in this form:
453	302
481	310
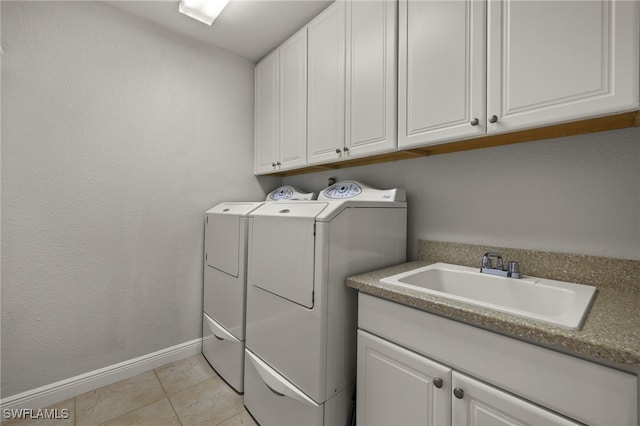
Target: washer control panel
343	190
289	193
356	191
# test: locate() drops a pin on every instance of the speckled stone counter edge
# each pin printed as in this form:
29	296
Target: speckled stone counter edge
610	335
590	270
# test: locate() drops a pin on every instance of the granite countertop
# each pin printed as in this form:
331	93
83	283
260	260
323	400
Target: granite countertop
610	335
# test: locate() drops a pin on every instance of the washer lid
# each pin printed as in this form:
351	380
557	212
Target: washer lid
287	210
236	208
222	236
282	250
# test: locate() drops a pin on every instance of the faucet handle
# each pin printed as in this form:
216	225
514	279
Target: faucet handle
514	269
487	263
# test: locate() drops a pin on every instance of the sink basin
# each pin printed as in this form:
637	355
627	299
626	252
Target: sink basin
553	302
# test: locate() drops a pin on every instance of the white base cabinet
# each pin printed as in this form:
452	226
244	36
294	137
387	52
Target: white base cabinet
402	388
399	387
477	404
418	368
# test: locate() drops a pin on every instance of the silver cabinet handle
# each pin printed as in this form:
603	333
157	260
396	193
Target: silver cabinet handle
475	122
437	382
493	119
458	393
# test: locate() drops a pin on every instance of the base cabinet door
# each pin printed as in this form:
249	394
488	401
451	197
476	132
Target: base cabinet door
478	404
399	387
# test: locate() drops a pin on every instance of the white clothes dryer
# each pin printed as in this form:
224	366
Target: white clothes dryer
300	363
225	258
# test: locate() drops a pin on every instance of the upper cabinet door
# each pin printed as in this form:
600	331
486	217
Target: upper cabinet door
441	78
266	114
325	116
556	61
293	102
281	107
371	112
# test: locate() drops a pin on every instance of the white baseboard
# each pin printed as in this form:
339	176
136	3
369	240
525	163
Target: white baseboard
59	391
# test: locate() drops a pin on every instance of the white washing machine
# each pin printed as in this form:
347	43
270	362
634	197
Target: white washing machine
300	364
225	271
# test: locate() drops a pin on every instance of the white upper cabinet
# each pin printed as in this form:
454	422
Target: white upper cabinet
538	62
442	62
556	61
281	107
352	81
293	101
325	116
266	114
371	112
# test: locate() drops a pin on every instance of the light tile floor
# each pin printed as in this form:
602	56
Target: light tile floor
186	392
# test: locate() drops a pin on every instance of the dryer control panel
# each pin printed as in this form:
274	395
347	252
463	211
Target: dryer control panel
289	193
357	191
343	190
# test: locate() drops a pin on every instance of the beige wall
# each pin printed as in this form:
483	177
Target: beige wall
116	137
578	194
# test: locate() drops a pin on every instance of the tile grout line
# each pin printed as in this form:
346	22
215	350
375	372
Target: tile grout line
166	395
134	409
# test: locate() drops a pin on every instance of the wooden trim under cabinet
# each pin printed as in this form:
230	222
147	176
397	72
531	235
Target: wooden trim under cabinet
592	125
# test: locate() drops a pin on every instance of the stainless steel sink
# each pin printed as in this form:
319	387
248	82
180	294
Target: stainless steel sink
553	302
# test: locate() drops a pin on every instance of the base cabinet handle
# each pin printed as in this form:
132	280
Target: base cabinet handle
458	393
438	383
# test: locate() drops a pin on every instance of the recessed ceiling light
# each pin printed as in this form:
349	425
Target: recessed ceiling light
205	11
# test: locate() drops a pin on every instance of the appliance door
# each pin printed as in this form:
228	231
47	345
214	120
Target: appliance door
224	352
222	236
282	250
273	400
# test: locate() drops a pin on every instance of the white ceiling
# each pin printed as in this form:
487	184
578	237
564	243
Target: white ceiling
249	28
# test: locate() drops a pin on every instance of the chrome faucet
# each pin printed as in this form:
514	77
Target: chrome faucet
512	271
